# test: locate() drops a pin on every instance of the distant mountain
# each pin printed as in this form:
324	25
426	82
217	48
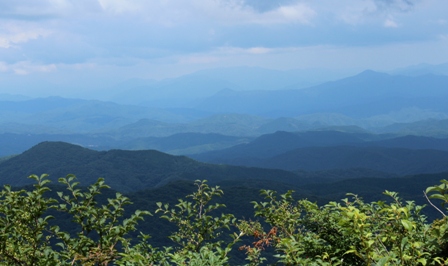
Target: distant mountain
412	142
226	124
185	143
185	91
390	160
269	145
13	97
62	115
332	150
428	127
13	144
396	161
125	170
422	69
366	94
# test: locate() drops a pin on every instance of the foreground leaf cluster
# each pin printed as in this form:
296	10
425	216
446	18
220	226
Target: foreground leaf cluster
285	232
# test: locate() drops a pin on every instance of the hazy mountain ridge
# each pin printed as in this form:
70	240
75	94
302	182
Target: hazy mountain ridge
422	69
269	145
187	90
124	170
390	160
366	94
331	150
77	116
371	101
185	143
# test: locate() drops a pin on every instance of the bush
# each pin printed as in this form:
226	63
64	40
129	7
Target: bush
298	232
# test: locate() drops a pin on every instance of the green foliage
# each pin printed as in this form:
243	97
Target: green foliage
27	239
199	232
102	228
295	232
23	226
352	232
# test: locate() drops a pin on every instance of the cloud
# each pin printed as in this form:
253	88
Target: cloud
390	23
401	5
267	5
233	50
13	35
119	6
26	67
50	35
171	13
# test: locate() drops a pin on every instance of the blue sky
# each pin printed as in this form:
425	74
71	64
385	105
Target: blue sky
87	44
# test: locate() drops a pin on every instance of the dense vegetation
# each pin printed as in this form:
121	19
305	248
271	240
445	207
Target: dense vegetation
284	231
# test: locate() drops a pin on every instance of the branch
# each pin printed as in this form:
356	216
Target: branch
426	196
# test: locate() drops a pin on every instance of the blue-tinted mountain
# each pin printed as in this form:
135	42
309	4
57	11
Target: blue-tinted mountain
412	142
270	145
187	90
427	127
185	143
423	69
332	150
366	94
390	160
62	115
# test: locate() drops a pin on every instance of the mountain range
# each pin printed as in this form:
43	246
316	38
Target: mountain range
369	102
366	94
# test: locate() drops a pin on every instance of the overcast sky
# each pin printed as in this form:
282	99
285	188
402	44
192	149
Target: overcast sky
105	41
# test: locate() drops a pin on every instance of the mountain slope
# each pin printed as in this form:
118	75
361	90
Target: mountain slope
390	160
185	143
332	150
124	170
269	145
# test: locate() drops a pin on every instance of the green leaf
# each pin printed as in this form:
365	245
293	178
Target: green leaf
407	225
422	261
382	261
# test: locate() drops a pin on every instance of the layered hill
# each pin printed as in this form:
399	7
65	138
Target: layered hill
331	150
124	170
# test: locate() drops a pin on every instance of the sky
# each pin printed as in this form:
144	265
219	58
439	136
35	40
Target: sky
57	46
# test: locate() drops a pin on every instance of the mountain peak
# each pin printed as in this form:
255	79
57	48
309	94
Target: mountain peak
225	92
371	74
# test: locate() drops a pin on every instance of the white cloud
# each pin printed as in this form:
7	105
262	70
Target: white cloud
17	35
233	12
259	50
121	6
26	67
390	23
227	50
294	13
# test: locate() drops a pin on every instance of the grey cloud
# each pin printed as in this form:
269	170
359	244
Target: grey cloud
30	10
23	10
267	5
402	5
